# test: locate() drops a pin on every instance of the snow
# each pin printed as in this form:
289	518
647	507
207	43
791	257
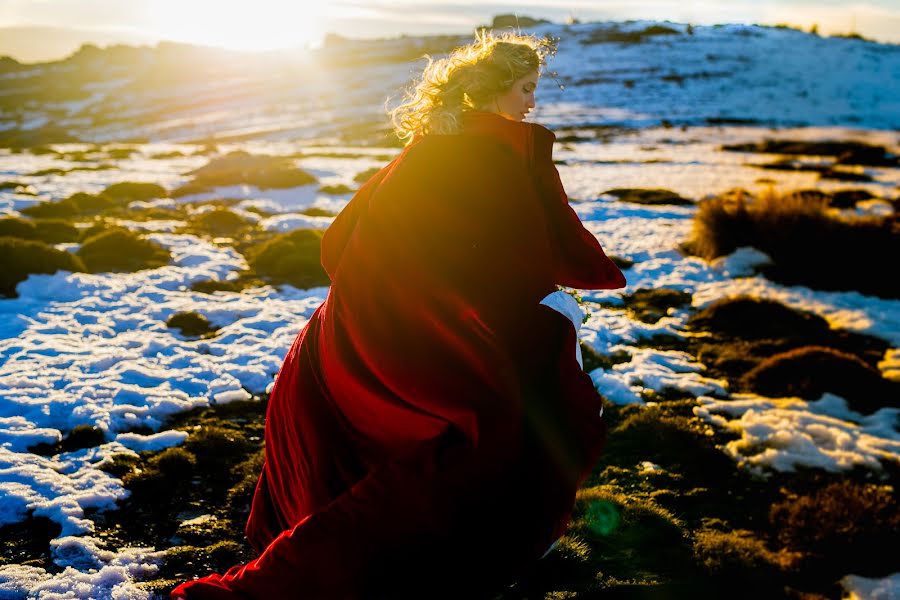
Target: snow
782	434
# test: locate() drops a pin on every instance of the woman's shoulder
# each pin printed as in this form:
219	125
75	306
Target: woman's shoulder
530	140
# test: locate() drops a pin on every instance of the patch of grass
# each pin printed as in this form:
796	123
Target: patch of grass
175	464
648	196
678	443
120	465
594	360
21	258
121	250
213	473
810	371
739	558
630	537
292	257
81	436
239	167
808	246
650	305
28	542
191	324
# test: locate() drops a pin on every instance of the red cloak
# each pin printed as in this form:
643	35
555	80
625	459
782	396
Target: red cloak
430	424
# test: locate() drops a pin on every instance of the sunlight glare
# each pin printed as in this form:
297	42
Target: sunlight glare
237	24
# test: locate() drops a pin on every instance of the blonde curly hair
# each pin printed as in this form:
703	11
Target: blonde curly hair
471	76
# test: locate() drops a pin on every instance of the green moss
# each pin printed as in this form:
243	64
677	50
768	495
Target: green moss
292	258
650	305
191	324
647	196
120	465
740	559
175	464
594	360
336	189
315	211
242	282
364	176
129	191
119	249
622	263
219	222
238	167
21	258
81	436
27	542
629	536
18	228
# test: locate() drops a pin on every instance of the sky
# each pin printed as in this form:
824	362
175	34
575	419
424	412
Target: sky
275	24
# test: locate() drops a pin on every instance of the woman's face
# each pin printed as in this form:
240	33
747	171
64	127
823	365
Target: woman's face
519	100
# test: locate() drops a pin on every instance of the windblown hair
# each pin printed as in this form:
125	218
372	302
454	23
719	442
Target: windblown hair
471	76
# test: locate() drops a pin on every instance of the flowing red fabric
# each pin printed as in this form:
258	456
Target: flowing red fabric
430	424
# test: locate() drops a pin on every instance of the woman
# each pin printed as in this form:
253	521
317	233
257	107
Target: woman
431	423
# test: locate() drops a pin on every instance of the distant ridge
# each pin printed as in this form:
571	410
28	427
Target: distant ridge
38	43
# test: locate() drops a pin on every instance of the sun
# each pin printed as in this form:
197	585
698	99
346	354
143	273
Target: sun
237	25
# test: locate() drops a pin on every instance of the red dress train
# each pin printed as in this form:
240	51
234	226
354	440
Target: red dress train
430	424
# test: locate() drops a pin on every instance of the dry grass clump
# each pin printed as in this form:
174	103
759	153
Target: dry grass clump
844	527
810	371
754	318
807	245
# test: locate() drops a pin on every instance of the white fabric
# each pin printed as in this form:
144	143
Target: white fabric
567	306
